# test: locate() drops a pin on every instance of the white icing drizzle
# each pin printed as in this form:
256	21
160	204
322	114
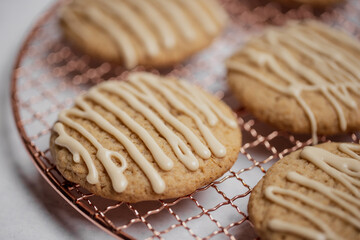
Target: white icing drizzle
158	21
217	12
349	150
138	93
197	10
178	18
203	104
216	147
120	37
284	57
194	98
345	170
278	225
76	150
179	147
125	14
152	25
164	161
104	155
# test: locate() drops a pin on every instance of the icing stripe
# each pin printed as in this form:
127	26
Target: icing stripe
192	98
345	170
179	147
104	155
295	55
164	162
138	93
201	16
158	21
216	147
76	150
218	13
270	193
126	15
178	17
278	225
121	38
143	29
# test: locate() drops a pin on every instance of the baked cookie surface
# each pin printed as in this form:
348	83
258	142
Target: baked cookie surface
156	33
312	193
302	78
144	139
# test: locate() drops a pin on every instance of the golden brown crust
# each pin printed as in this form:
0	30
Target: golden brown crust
179	181
262	210
284	110
88	35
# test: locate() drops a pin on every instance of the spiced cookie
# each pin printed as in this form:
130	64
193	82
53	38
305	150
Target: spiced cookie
312	193
155	33
302	78
146	138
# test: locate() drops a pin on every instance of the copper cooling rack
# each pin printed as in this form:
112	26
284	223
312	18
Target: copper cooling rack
49	73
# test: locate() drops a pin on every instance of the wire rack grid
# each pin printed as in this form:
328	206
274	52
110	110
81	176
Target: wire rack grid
49	73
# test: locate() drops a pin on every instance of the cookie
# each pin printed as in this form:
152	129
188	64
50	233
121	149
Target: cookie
312	193
156	33
146	138
301	78
314	3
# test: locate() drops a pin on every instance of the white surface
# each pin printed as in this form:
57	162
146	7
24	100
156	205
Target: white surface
29	207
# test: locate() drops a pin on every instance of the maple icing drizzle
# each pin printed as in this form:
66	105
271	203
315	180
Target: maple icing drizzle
287	53
154	24
138	93
345	170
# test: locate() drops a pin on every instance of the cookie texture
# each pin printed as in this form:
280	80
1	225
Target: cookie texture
312	193
144	139
156	33
302	78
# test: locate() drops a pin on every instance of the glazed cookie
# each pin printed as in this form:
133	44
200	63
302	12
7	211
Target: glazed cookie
302	78
144	139
312	193
315	3
155	33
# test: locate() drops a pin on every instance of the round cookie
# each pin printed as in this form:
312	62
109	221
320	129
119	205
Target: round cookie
312	193
146	138
302	78
156	33
314	3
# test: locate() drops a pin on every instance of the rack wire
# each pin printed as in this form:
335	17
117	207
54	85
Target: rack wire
49	73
